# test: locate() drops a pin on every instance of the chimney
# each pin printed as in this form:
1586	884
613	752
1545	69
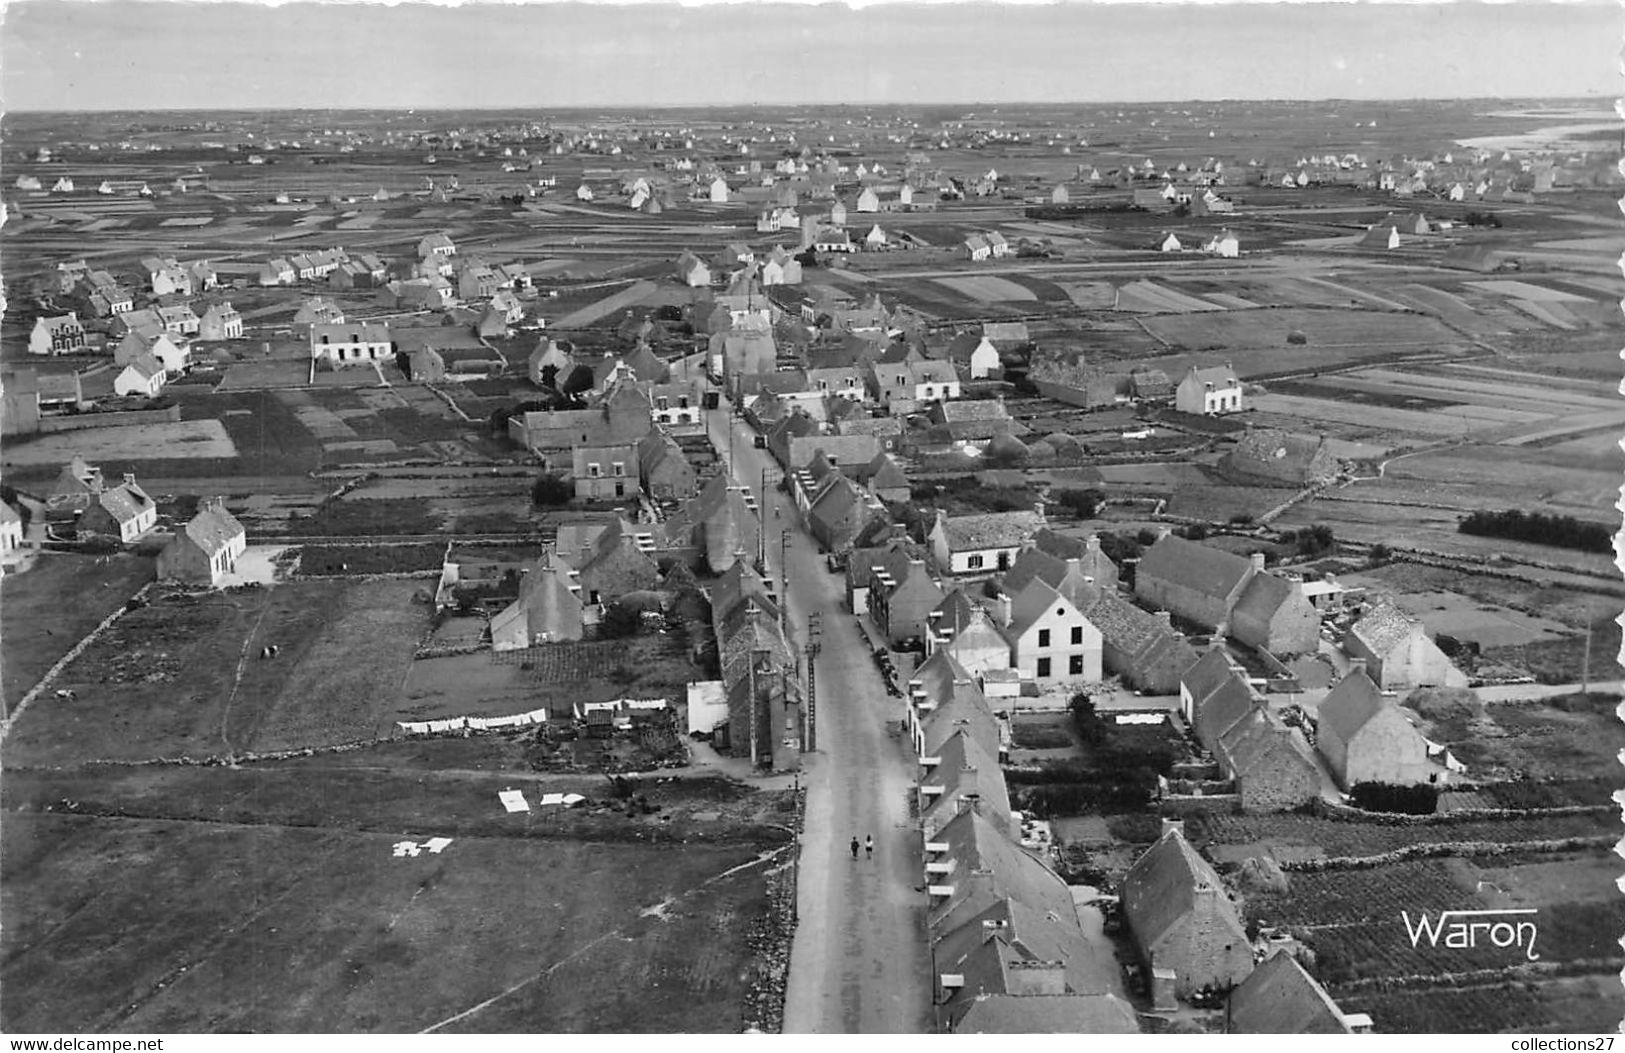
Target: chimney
1356	665
1258	560
129	478
1093	544
1001	610
968	802
1176	825
1165	618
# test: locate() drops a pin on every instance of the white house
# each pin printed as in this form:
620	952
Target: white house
583	192
346	343
1224	243
143	376
719	191
868	201
1169	243
1050	639
221	322
875	239
62	335
1212	390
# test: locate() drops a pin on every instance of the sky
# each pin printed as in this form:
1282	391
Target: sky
163	54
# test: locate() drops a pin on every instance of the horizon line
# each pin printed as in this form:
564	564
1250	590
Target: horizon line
1596	93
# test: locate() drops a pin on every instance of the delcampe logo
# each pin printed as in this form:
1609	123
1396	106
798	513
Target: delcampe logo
1462	929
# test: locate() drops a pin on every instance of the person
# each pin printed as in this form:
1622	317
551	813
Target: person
869	846
854	846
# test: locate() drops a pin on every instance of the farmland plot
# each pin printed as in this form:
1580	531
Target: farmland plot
37	628
989	289
1572	1005
165	440
1367	331
132	701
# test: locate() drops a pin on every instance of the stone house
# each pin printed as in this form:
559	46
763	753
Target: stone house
1365	736
1279	458
1398	654
1188	932
605	473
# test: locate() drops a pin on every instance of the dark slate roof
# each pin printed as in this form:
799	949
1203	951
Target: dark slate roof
1280	998
1264	595
1103	1014
1162	886
988	867
1208	570
1350	705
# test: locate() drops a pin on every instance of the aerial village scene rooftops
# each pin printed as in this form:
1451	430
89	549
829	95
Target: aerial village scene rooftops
1098	568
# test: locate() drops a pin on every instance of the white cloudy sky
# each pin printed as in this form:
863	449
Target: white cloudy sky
72	54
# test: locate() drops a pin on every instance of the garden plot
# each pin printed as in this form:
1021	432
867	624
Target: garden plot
1366	422
1451	309
1551	314
1151	298
1518	290
1093	296
1515	391
554	676
988	288
169	440
320	421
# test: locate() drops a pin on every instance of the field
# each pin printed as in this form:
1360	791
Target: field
40	624
310	922
184	676
180	440
1337	838
1355	331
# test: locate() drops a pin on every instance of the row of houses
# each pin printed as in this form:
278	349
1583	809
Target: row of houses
1008	952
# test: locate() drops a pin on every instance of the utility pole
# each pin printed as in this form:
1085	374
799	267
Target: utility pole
814	629
1585	665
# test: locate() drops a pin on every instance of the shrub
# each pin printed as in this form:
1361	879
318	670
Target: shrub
1421	799
551	490
1091	729
1540	529
1085	504
620	620
1297	337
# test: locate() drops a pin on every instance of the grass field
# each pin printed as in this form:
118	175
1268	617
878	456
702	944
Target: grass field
183	676
1357	330
319	928
49	608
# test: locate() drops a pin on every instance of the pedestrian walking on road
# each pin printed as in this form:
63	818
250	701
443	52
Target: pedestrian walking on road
854	846
869	846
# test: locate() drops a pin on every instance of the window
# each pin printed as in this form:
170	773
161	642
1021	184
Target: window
1004	561
1043	668
592	471
1043	637
620	469
1077	634
1074	665
620	489
928	393
975	563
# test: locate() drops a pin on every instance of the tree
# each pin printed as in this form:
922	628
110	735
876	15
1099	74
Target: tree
1091	729
550	490
620	620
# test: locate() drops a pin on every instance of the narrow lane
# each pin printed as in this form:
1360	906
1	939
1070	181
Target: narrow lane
858	963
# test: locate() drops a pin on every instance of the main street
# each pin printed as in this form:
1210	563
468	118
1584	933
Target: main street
859	963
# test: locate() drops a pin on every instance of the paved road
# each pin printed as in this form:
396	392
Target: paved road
859	963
